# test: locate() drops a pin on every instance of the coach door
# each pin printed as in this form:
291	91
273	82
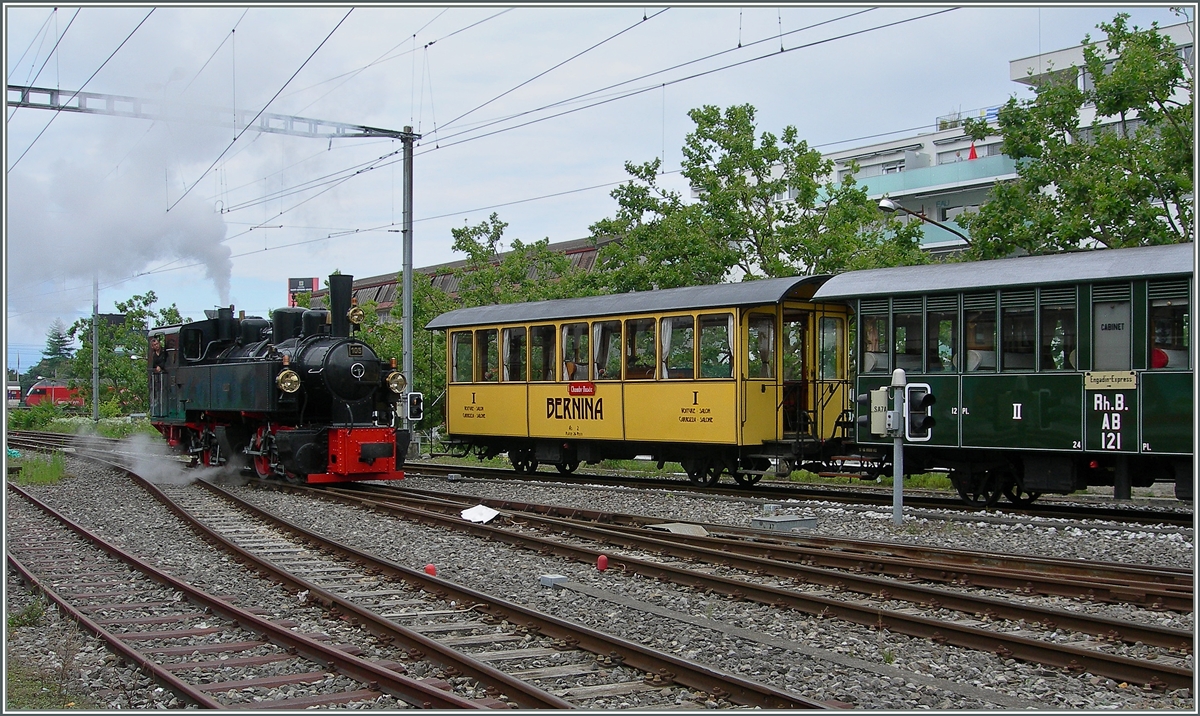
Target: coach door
759	372
797	420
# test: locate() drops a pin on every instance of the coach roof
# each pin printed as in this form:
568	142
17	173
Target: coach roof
723	295
1071	267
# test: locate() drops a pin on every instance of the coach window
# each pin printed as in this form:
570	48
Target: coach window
488	350
460	356
1058	329
874	346
829	347
907	340
980	333
575	351
514	354
1018	337
678	347
639	349
760	348
941	342
1169	342
541	353
606	339
716	351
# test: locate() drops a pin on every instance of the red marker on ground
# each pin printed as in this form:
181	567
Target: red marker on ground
602	562
431	570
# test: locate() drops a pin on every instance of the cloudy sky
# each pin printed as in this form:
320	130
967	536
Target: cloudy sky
527	111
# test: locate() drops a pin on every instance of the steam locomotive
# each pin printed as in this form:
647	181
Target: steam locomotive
295	397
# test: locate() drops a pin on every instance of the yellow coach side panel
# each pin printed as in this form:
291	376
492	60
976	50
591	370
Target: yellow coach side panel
682	411
487	409
588	411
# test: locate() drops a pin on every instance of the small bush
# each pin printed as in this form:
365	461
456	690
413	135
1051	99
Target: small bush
36	418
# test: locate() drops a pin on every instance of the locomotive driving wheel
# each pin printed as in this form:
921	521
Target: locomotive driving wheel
264	448
977	488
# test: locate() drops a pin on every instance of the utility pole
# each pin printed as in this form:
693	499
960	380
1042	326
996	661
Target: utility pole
96	346
406	281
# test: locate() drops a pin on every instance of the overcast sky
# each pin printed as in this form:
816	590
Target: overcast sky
202	220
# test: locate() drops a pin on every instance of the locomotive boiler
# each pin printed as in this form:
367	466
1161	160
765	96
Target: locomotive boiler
296	397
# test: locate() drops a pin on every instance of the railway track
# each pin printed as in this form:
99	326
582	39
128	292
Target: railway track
776	491
757	579
188	639
468	633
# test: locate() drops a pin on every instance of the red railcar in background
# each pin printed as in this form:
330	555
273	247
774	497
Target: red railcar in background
56	391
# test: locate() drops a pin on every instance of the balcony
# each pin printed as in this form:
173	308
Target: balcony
957	175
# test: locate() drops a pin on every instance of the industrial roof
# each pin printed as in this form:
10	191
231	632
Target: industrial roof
724	295
1072	267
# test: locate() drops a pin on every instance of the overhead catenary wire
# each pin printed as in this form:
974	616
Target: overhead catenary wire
73	96
335	176
545	72
264	108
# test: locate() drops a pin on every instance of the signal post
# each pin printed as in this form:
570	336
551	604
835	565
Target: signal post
909	419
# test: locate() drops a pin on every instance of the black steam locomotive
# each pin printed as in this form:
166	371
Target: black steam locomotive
295	397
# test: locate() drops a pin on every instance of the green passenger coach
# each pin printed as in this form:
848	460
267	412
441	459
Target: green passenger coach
1051	373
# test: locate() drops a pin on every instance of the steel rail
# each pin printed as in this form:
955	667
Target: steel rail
1006	645
761	490
125	651
880	588
665	666
391	682
1132	586
521	693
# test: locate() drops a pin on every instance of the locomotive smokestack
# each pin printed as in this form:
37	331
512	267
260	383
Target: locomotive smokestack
341	287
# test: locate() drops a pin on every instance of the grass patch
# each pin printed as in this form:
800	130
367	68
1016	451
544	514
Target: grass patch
925	481
29	616
106	427
30	690
41	470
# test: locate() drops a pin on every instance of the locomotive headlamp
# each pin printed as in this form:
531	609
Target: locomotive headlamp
356	315
288	381
396	382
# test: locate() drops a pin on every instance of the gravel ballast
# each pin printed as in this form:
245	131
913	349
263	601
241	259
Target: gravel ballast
824	659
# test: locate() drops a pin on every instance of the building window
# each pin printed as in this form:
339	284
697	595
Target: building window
892	167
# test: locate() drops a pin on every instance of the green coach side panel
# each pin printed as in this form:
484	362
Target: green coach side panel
1168	418
1028	411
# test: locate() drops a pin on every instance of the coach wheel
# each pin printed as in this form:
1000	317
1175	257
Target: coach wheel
713	473
696	469
977	488
567	468
1015	493
759	464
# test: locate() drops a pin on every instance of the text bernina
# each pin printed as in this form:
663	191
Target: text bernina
575	408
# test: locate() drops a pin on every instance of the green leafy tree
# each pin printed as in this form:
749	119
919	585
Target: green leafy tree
386	338
527	272
662	241
1113	182
122	354
765	207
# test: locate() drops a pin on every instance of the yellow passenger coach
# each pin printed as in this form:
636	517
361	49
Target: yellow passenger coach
745	378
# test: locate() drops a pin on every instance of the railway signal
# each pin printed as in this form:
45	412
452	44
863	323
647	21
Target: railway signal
918	401
876	417
416	406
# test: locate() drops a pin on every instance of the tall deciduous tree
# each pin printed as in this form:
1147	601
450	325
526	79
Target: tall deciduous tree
526	272
662	241
1112	182
123	373
766	207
